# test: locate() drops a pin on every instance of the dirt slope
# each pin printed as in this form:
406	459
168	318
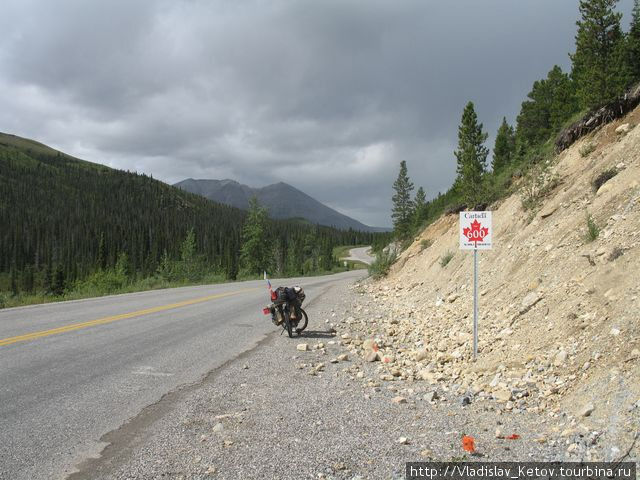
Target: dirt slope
559	315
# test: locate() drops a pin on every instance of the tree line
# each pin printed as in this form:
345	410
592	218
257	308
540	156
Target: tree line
605	63
70	225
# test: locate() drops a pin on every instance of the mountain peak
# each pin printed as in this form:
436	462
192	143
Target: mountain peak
227	181
281	199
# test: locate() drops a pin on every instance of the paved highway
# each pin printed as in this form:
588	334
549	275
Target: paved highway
72	371
360	254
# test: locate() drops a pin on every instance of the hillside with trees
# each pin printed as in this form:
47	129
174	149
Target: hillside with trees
604	67
71	227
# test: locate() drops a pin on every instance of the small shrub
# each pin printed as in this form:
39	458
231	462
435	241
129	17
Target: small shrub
405	243
101	282
517	173
444	261
553	182
425	243
537	184
380	267
593	231
587	150
603	178
150	283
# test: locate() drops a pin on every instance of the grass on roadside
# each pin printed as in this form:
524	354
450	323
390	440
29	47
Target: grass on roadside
88	289
381	265
593	231
446	258
7	300
342	252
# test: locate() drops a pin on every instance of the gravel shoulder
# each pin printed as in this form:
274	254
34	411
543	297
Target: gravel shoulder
278	412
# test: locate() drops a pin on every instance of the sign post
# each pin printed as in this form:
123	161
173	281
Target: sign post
475	234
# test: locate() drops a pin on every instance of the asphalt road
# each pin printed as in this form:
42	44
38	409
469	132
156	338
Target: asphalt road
360	254
71	372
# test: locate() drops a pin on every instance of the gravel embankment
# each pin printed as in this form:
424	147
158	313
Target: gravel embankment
274	413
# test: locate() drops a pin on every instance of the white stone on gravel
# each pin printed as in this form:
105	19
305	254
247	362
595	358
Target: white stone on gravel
587	410
218	427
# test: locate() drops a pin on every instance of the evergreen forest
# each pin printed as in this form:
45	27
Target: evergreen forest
74	228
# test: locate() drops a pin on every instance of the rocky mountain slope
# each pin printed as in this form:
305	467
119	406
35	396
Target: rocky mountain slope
282	200
559	325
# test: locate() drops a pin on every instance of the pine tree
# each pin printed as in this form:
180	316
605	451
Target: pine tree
58	286
311	250
551	102
327	255
279	254
254	254
123	268
598	63
505	146
295	257
420	208
47	281
14	281
471	157
231	262
27	279
402	204
633	44
102	253
165	267
563	101
190	262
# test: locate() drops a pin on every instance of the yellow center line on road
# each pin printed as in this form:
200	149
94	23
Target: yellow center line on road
101	321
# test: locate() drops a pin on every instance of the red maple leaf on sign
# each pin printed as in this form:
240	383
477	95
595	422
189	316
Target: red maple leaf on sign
476	233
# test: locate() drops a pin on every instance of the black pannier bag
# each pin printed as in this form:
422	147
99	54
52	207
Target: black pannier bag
290	294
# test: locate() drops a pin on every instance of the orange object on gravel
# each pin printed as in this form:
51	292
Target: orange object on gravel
468	444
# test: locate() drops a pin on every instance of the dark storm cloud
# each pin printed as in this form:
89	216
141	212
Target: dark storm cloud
328	96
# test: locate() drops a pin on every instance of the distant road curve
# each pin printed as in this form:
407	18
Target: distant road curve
361	254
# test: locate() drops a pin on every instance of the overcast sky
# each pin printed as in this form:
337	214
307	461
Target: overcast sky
328	95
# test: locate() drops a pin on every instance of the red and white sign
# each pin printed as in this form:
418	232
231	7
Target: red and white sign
475	230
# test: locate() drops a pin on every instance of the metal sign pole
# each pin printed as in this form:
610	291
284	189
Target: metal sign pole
475	303
475	234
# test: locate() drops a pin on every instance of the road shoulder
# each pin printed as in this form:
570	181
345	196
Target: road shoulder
278	412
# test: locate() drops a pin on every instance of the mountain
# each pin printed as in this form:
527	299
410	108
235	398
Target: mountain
73	216
281	199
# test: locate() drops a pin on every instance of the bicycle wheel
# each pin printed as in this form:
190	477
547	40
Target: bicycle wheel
287	323
302	322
